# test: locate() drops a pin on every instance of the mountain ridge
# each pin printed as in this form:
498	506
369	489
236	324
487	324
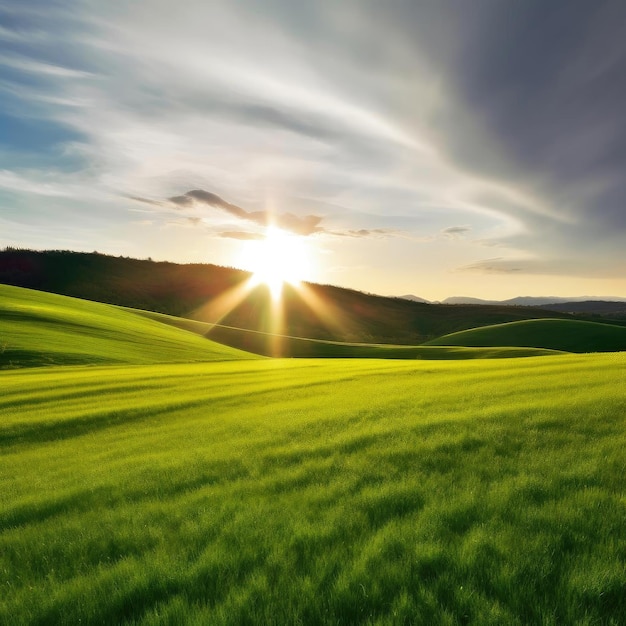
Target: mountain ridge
533	301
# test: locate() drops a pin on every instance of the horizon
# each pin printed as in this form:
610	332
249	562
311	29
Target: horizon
480	150
408	296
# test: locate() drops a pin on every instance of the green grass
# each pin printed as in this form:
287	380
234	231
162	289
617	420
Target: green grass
315	492
565	335
299	347
38	328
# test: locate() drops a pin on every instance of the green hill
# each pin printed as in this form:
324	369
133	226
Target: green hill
269	344
199	291
554	334
39	328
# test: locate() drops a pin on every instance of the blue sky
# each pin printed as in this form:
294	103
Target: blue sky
432	147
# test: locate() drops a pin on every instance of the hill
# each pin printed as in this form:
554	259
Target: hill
38	328
217	294
554	334
590	307
414	298
274	345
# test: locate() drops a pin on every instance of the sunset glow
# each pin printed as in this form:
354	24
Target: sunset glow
277	259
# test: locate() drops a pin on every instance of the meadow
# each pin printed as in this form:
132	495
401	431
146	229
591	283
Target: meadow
246	490
312	491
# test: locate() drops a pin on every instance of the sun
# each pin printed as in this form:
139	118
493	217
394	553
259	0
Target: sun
277	259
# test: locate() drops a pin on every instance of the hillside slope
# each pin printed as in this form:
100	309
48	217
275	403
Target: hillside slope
566	335
217	294
274	345
39	328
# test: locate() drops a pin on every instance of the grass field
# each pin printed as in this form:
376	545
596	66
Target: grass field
315	492
39	328
565	335
242	490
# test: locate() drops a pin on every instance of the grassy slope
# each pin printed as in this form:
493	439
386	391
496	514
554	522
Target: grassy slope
37	328
285	346
566	335
282	492
195	291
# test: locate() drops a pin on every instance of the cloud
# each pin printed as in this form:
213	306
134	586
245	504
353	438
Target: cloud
307	225
561	140
496	265
241	235
185	222
300	225
455	232
145	200
365	232
547	266
38	67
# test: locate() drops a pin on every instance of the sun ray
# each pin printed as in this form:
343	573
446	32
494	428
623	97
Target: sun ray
329	314
278	259
217	309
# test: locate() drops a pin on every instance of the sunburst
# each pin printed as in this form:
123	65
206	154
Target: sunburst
277	259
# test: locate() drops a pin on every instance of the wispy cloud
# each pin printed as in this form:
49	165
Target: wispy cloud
547	266
366	232
495	265
38	67
34	184
307	225
455	232
185	222
241	235
156	203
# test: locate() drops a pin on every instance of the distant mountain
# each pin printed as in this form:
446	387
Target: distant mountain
413	298
539	301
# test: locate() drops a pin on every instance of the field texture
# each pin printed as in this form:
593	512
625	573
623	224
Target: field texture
39	328
565	335
315	492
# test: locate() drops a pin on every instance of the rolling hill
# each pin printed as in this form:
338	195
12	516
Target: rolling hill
554	334
217	294
275	345
38	328
602	308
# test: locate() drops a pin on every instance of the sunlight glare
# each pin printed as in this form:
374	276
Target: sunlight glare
277	259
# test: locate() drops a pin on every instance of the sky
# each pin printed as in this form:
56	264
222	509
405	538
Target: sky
435	148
